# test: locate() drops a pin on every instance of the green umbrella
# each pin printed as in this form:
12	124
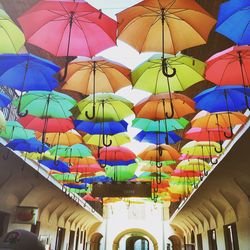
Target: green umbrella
14	130
121	173
108	107
12	38
149	77
160	126
65	177
150	176
46	104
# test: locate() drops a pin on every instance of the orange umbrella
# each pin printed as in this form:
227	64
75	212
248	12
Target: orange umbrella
86	169
158	107
67	138
80	161
96	76
164	169
164	25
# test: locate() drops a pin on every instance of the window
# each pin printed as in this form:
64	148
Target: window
212	241
231	237
199	242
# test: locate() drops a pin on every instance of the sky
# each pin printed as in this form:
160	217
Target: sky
127	56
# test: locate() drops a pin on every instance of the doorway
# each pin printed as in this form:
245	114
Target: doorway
4	222
60	238
71	240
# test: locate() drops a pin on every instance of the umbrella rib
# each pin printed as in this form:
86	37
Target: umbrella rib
10	40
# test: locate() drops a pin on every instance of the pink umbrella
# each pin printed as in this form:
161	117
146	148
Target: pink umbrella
67	28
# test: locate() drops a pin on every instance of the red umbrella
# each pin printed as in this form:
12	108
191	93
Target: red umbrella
68	28
230	67
181	173
92	168
88	197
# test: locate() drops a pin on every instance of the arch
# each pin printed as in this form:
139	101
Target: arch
95	241
131	241
134	230
176	242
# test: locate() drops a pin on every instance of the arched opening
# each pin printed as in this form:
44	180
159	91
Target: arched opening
137	243
95	241
176	242
130	236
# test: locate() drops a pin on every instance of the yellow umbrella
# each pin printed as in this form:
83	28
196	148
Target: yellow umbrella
193	165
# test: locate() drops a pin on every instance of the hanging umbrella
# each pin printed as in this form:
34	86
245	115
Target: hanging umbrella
224	98
61	166
157	107
88	197
46	104
102	140
157	137
110	127
27	72
66	177
68	28
4	100
193	165
164	169
98	75
233	21
115	156
39	156
186	173
94	179
14	130
86	169
109	107
166	26
149	76
79	161
76	186
12	38
202	148
160	125
68	138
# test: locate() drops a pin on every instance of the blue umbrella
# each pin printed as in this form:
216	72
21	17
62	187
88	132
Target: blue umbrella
110	128
27	72
59	166
233	21
158	137
93	179
224	98
78	186
4	100
116	163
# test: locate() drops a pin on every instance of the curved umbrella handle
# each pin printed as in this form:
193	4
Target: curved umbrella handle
56	162
91	117
77	179
160	151
165	69
231	133
158	164
213	161
220	148
104	142
172	109
103	165
196	185
206	173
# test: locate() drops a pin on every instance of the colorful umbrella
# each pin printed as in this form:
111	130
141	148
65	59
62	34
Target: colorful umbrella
164	169
110	127
94	179
158	107
160	125
80	161
158	137
109	107
68	28
46	104
60	166
14	130
233	21
27	72
86	169
193	165
4	100
12	38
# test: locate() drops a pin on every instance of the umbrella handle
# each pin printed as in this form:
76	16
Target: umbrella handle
213	161
160	151
77	179
230	135
219	150
91	117
206	173
196	185
103	165
172	108
6	155
165	69
166	138
158	164
40	151
56	162
106	144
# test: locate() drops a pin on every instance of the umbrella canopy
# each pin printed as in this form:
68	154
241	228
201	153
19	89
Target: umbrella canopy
27	72
109	107
12	38
67	138
39	156
59	166
164	25
68	28
98	75
121	173
158	137
156	107
224	98
4	100
94	179
233	21
152	169
80	161
230	66
151	176
160	125
86	169
166	153
110	127
14	130
47	125
103	140
186	173
46	104
149	77
193	165
30	145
